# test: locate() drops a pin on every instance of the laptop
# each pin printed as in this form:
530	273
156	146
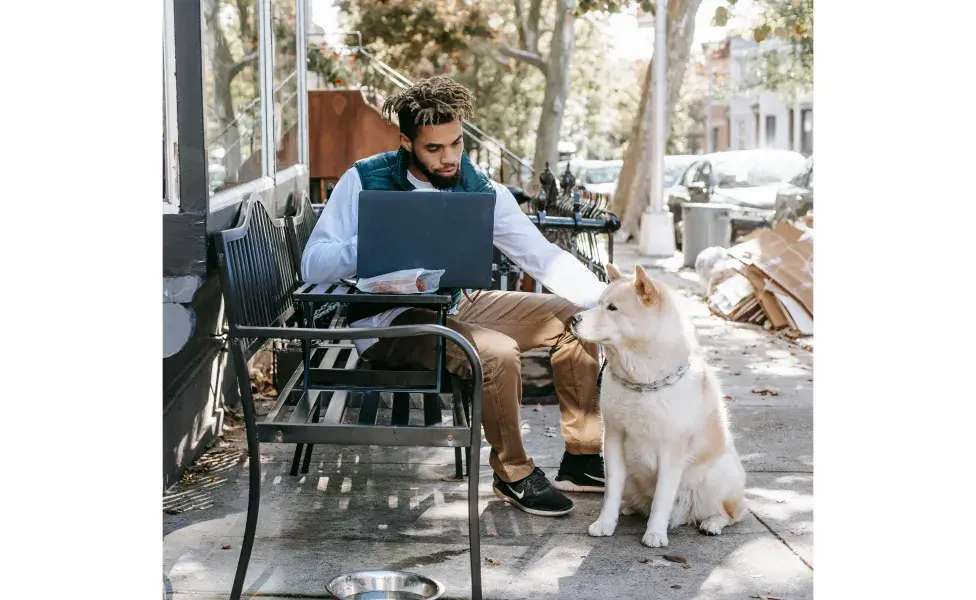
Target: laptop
427	230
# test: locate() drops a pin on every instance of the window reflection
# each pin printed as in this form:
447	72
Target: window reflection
232	92
285	83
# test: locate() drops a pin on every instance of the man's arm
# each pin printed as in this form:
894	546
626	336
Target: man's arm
546	262
331	250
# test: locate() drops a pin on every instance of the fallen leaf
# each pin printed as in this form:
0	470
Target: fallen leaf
643	561
728	398
760	597
172	511
767	391
686	566
491	534
674	559
538	408
737	372
451	479
493	562
226	546
676	586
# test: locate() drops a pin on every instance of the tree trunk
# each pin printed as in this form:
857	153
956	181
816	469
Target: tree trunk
634	186
557	89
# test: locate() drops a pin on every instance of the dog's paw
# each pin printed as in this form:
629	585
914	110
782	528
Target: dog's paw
602	528
714	525
654	539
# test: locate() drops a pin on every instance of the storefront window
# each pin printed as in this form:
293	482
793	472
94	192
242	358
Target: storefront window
232	92
285	82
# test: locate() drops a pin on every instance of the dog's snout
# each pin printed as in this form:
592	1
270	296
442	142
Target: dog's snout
575	319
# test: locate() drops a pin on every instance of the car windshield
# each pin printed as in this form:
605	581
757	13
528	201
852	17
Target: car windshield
755	169
602	175
673	171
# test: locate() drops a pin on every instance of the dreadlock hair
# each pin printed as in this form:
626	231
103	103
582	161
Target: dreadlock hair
433	101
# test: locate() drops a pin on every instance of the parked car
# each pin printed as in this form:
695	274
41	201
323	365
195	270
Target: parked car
599	176
794	198
675	166
596	176
746	179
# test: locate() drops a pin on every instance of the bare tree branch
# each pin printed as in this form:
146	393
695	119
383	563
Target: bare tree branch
530	58
522	25
237	68
528	25
535	19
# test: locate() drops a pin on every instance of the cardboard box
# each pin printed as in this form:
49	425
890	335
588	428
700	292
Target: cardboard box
784	254
767	299
732	296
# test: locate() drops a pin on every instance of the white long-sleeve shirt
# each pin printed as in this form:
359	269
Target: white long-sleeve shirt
330	254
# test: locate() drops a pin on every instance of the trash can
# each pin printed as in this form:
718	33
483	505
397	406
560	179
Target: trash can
705	225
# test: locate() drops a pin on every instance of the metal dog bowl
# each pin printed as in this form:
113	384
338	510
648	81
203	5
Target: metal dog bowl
385	585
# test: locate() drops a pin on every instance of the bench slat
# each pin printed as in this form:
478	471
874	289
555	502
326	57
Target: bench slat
401	408
337	403
432	409
307	403
367	410
365	379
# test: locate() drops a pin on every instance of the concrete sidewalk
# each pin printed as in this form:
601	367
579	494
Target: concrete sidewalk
399	508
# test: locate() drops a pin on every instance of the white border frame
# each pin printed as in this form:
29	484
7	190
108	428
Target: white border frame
301	64
171	159
266	49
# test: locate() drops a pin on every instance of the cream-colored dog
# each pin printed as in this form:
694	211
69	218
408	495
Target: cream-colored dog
666	442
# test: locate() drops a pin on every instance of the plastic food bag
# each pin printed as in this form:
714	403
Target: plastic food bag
408	281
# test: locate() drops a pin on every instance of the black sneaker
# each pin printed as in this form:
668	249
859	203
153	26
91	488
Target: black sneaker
533	494
581	473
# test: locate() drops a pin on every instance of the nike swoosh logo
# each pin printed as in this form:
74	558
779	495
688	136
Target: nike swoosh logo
518	495
595	478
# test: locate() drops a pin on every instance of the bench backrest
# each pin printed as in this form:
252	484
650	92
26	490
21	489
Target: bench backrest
300	229
257	272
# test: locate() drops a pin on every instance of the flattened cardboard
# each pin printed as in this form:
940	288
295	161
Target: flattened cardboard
800	319
785	255
731	296
770	304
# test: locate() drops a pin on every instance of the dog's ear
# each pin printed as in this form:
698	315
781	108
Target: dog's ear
613	273
646	289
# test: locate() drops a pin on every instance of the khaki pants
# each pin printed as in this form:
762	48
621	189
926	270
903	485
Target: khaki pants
502	325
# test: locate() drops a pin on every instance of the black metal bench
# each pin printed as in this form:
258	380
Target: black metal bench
336	298
338	399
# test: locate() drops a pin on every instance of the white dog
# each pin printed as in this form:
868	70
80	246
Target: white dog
667	447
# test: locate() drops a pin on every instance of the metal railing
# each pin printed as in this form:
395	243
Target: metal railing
379	80
571	218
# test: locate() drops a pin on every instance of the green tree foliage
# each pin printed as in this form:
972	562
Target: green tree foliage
489	46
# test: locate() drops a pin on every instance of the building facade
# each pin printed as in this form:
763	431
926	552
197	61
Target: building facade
234	125
743	115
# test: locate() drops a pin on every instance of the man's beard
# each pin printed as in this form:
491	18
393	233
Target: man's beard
438	181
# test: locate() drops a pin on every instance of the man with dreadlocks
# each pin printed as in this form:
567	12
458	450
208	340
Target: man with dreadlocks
500	324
